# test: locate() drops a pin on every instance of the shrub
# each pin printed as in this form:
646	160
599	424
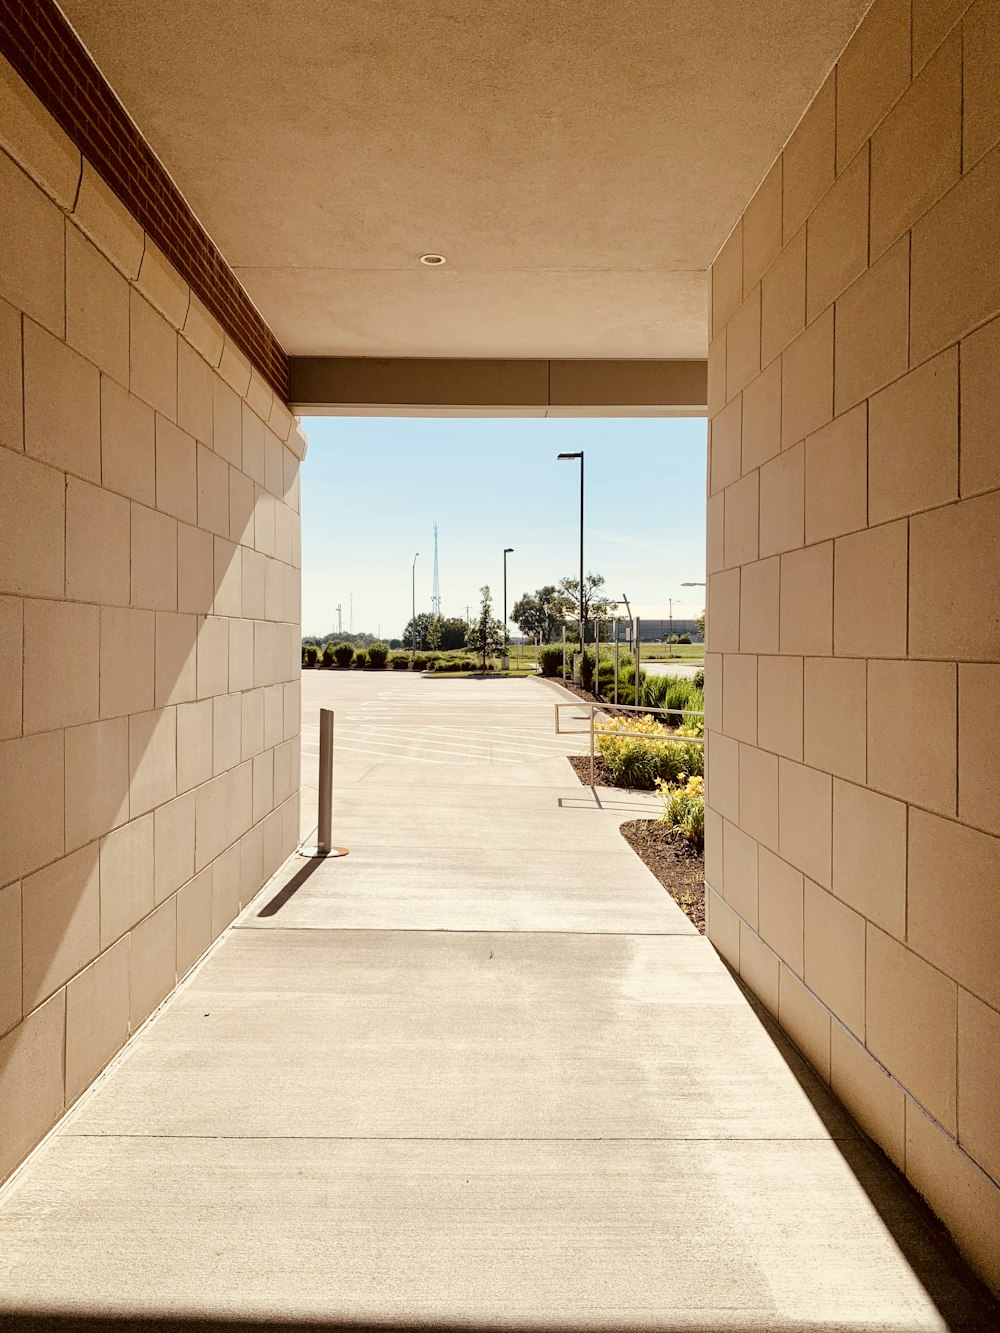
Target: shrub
361	658
634	760
550	659
699	679
684	638
669	692
684	807
626	679
377	655
310	655
680	693
342	653
328	655
399	661
652	689
420	662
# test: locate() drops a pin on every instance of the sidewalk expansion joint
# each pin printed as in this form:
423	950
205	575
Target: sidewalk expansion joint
458	930
476	1138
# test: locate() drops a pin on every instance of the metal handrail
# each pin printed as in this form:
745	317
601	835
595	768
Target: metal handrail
671	738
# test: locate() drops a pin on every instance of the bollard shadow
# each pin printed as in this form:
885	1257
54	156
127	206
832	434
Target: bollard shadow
289	890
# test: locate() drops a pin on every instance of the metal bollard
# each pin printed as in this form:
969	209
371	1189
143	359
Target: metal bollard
324	845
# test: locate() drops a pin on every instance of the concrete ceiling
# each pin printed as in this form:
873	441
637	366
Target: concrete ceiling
578	162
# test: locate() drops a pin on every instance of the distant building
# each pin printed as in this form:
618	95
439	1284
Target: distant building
656	631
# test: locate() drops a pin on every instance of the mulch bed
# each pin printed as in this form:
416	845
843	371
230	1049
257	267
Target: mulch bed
589	698
578	690
678	866
602	774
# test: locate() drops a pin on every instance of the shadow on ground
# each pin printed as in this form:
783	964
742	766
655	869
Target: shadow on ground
59	1323
964	1303
274	905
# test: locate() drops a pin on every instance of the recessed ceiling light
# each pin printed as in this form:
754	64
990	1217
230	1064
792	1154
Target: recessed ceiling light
433	261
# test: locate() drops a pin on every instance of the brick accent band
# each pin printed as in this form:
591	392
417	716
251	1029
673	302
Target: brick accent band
45	51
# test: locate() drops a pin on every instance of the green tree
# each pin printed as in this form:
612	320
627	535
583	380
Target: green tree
452	632
423	625
594	602
700	622
541	612
485	636
528	616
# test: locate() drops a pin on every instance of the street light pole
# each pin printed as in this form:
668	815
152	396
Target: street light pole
507	550
413	622
583	622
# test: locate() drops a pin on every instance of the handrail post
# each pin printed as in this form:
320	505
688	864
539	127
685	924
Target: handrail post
635	649
324	841
616	659
592	724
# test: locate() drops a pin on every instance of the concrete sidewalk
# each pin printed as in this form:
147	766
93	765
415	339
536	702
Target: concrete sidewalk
482	1073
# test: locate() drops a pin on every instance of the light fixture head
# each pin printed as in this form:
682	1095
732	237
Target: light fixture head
508	550
565	457
433	261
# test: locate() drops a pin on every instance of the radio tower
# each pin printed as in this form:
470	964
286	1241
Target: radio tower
436	591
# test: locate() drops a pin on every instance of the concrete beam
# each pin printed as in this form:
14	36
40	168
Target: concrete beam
372	386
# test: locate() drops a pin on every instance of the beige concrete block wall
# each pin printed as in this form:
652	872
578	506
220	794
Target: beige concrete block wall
853	672
149	628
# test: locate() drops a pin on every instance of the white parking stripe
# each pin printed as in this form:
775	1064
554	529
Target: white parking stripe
431	728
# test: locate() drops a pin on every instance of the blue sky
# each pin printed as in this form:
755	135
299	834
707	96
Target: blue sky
372	488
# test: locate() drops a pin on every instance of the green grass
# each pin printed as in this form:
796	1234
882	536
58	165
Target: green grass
651	652
524	661
527	656
470	675
678	652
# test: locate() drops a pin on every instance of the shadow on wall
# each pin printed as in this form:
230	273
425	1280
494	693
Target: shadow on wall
152	761
149	591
